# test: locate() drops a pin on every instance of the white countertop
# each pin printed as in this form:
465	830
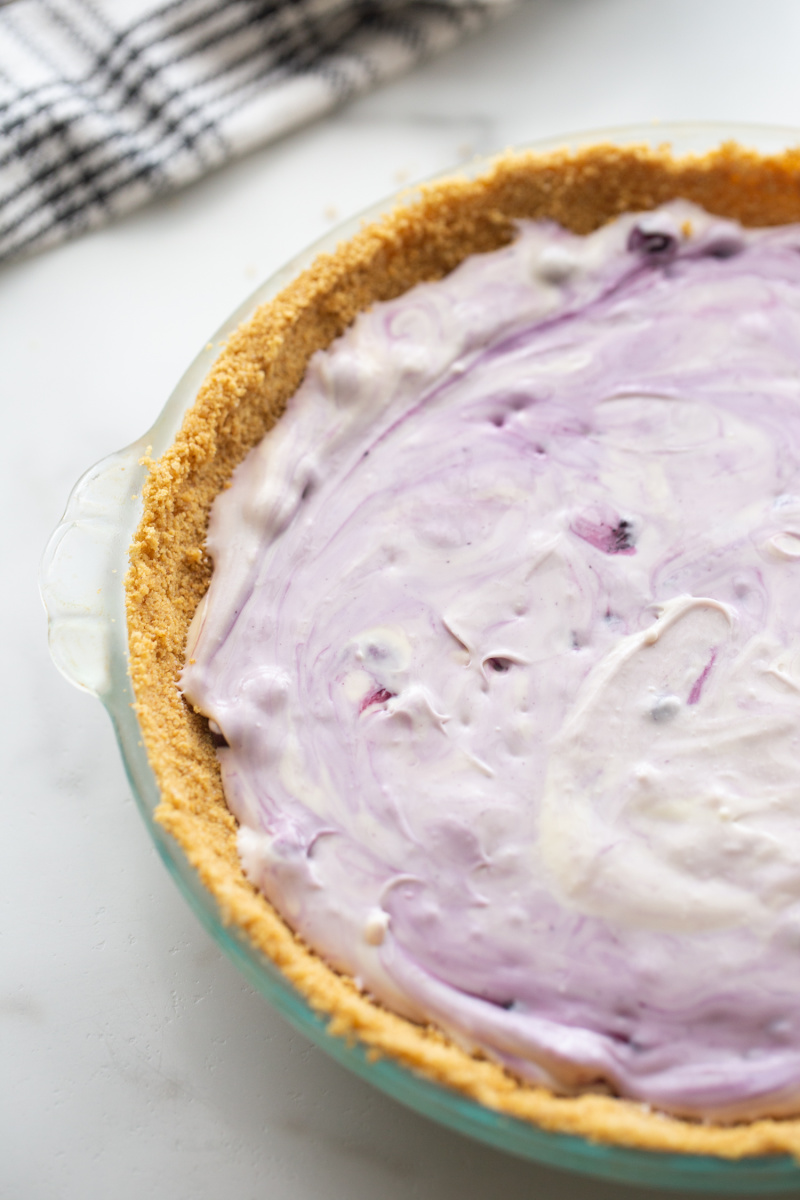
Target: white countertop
136	1061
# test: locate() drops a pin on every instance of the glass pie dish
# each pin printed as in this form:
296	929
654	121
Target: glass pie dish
82	586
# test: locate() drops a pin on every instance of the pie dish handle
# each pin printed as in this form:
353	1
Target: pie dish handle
83	566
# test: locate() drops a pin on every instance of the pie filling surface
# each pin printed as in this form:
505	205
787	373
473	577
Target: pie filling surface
502	652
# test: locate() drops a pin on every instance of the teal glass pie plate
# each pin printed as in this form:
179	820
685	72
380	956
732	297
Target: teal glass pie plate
82	586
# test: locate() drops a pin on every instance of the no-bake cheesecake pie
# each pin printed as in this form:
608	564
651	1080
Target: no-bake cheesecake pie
486	728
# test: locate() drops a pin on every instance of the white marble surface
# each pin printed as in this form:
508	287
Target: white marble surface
136	1062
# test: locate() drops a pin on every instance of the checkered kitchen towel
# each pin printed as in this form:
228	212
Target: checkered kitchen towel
106	103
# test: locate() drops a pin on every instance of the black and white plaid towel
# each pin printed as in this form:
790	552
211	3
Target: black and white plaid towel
106	103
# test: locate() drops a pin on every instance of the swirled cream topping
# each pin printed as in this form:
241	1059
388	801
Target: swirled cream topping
503	641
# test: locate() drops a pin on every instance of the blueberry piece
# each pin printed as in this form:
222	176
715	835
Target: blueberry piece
603	535
654	244
724	247
723	240
622	535
379	696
